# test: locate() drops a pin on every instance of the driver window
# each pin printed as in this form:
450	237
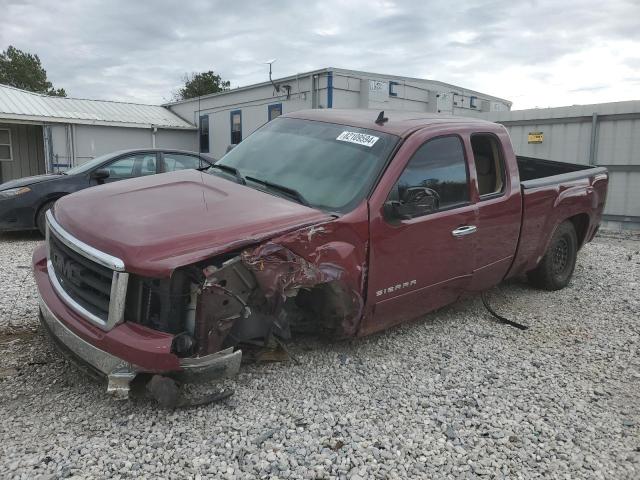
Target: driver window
440	166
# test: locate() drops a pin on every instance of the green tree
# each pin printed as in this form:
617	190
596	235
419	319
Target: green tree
198	84
23	70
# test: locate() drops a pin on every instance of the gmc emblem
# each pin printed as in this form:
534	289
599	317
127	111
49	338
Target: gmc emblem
68	269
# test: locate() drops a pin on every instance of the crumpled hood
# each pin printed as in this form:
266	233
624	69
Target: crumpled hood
26	181
158	223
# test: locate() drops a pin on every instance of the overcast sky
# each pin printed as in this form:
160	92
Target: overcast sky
534	53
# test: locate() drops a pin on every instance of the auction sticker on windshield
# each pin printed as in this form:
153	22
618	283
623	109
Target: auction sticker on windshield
358	138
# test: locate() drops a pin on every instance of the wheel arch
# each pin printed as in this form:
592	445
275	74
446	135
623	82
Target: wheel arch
51	197
581	224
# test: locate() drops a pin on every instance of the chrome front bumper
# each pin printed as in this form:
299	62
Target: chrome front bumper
120	373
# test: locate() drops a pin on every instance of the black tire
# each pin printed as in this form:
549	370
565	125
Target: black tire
40	219
556	267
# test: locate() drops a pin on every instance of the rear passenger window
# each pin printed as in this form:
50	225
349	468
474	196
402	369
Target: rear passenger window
489	164
440	166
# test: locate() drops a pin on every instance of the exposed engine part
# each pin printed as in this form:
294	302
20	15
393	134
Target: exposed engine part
222	301
260	326
164	304
190	316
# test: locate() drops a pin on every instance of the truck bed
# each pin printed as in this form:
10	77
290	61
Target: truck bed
551	193
537	172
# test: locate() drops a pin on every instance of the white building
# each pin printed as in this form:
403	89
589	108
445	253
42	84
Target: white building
227	117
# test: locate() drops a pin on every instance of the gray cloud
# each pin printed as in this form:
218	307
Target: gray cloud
138	51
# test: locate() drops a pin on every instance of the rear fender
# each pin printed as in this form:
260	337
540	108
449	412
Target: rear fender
571	202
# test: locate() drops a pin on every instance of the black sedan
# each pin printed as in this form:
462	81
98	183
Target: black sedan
24	202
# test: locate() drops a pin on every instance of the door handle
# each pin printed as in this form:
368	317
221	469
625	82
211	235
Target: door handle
464	230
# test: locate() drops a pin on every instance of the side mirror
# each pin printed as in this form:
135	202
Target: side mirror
414	202
100	174
231	147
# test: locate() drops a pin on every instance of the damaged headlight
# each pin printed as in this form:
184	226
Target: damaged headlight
13	192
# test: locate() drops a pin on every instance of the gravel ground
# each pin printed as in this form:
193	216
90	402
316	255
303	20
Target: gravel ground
455	395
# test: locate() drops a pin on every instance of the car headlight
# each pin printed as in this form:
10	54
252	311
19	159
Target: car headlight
13	192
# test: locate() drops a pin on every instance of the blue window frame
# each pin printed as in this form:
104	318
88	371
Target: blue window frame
236	126
274	111
204	133
392	90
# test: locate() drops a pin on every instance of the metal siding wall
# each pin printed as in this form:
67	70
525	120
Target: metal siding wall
561	141
27	146
567	137
93	141
178	139
254	105
619	142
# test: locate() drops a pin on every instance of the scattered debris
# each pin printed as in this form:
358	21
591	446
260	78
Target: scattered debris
168	394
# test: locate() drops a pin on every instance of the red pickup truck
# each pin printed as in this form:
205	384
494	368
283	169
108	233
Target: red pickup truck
347	222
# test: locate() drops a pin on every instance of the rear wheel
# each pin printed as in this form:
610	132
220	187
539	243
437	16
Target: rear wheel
40	218
556	267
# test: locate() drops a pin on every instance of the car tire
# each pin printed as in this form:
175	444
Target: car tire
556	267
40	217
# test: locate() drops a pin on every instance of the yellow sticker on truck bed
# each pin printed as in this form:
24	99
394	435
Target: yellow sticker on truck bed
358	138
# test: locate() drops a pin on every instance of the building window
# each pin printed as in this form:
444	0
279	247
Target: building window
236	127
275	111
204	133
5	145
392	89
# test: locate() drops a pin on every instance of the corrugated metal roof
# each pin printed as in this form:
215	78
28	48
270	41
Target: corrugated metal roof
16	104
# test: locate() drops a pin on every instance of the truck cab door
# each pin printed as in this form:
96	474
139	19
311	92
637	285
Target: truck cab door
421	255
498	198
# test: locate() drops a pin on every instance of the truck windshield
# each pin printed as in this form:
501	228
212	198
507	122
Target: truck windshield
331	166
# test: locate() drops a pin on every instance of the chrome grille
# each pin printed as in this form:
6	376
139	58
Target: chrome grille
85	281
91	282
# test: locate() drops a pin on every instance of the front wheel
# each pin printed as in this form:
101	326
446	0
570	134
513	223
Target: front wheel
40	218
556	267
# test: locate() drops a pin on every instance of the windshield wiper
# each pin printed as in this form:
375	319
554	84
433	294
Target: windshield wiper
232	170
288	191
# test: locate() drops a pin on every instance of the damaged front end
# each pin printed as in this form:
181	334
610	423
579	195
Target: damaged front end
253	299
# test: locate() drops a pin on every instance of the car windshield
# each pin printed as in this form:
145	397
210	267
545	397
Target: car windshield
332	167
86	166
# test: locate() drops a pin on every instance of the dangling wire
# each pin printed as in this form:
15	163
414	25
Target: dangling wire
500	318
